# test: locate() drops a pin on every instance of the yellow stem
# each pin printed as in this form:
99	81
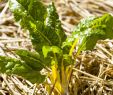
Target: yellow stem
73	46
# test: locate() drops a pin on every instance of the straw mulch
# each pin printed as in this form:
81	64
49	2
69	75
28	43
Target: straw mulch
94	73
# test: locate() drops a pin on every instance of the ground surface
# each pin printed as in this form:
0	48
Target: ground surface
95	73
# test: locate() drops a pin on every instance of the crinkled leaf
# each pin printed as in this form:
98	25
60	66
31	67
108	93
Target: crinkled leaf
32	59
53	27
90	30
23	14
33	8
20	68
43	23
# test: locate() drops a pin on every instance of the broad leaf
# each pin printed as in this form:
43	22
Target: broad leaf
13	66
89	31
42	22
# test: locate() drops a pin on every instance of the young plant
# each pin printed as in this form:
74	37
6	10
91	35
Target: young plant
53	50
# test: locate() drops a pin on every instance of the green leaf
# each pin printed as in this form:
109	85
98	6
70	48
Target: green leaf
67	60
17	67
23	12
89	31
42	22
53	30
32	59
53	49
33	8
33	54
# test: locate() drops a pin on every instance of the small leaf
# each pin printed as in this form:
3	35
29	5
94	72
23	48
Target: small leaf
67	60
53	49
